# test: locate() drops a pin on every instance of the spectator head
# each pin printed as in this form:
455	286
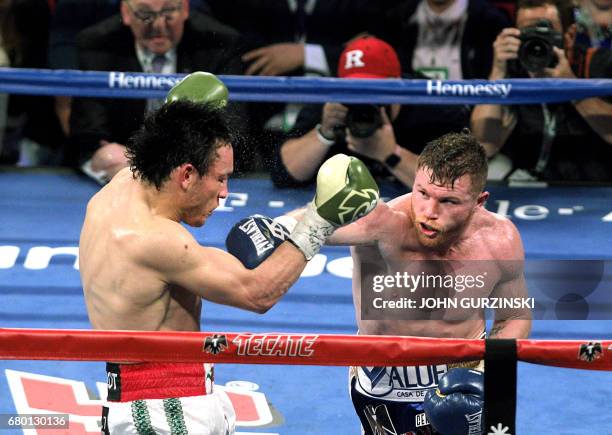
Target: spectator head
559	12
369	58
157	25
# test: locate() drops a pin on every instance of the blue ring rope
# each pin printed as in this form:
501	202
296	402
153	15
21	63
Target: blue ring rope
306	89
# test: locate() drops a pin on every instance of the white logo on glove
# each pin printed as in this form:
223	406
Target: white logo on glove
276	229
370	197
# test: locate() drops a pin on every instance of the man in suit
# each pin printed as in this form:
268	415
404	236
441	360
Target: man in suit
443	39
159	36
294	38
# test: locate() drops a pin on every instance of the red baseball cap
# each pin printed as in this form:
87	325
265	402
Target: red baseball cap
369	57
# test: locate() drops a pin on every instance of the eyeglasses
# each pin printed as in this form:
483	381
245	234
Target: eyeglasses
149	17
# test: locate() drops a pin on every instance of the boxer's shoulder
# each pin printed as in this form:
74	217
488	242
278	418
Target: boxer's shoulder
168	234
498	236
401	203
496	225
401	208
503	231
154	241
115	193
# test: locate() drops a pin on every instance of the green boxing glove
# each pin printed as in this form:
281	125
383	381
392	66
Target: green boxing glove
346	191
200	87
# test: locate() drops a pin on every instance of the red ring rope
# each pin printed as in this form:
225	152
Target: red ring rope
281	348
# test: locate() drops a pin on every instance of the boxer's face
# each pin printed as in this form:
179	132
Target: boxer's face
210	188
441	213
157	25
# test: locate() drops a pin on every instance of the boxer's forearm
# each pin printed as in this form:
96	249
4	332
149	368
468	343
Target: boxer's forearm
274	276
516	328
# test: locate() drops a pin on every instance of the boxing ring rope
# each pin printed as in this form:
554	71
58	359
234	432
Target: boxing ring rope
279	348
306	89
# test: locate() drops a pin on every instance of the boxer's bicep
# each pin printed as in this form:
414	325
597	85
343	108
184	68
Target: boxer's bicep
513	288
179	260
226	281
515	321
219	277
210	273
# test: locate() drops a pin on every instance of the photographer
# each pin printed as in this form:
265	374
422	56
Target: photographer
566	141
387	138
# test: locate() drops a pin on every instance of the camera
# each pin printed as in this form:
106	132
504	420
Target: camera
362	120
536	49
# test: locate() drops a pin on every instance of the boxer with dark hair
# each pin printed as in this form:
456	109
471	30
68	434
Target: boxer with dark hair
142	270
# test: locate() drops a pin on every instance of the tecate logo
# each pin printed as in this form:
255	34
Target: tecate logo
275	344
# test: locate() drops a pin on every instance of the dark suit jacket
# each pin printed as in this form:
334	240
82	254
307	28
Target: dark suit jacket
71	16
482	27
331	23
207	45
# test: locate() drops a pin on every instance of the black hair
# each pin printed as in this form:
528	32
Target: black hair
179	132
453	155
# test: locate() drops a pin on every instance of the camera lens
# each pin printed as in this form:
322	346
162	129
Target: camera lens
536	54
537	42
363	120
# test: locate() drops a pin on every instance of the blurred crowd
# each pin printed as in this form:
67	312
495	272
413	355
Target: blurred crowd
350	39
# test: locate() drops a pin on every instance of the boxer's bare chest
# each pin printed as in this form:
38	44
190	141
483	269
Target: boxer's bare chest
418	284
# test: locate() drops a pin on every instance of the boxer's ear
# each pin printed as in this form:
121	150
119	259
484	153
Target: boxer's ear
185	175
481	200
